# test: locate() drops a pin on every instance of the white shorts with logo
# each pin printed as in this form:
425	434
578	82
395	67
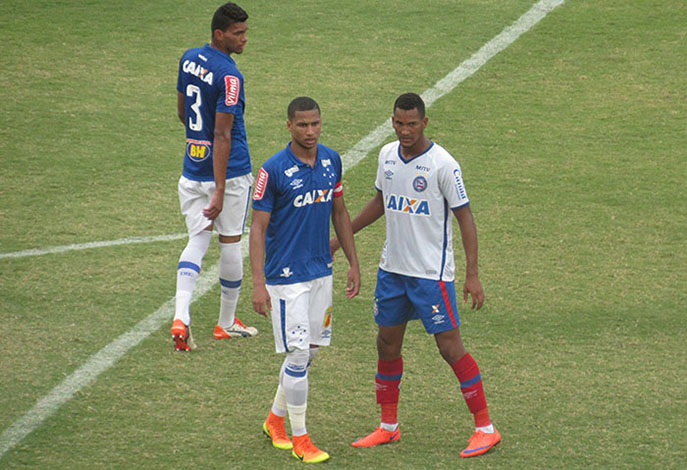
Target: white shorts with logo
194	196
301	314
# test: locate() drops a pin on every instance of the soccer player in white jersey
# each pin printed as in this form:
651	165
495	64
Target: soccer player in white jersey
298	191
215	186
419	184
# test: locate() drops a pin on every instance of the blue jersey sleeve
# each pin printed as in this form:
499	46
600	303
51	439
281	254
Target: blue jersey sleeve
230	94
265	190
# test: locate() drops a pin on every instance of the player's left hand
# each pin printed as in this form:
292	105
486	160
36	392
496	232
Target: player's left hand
216	202
353	283
473	287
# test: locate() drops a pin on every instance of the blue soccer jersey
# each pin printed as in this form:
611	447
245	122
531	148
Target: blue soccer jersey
299	198
210	83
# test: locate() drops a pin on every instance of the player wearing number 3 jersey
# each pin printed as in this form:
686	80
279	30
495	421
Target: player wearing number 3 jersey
215	186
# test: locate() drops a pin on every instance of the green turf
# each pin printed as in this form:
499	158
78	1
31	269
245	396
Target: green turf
572	148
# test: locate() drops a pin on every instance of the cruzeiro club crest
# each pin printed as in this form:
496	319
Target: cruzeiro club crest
419	184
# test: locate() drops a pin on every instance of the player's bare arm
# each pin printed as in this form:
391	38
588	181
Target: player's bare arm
344	232
372	211
220	158
258	228
181	110
468	232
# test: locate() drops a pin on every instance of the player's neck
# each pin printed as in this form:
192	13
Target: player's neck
214	45
306	155
420	147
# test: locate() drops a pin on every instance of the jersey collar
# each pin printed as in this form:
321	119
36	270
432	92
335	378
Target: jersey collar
300	162
400	156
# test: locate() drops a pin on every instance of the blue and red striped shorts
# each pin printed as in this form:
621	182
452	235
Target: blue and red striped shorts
399	299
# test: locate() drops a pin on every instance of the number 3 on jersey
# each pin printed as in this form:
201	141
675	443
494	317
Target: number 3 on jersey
197	124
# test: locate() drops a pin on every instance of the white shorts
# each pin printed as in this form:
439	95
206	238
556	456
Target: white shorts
194	196
301	314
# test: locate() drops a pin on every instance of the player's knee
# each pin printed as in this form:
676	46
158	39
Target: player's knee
388	349
229	239
296	364
450	347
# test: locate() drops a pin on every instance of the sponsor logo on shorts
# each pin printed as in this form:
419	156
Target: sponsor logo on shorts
375	309
420	184
435	308
438	319
198	150
328	318
260	184
233	87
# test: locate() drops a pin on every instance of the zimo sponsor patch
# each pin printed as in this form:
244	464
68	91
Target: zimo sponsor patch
260	184
233	88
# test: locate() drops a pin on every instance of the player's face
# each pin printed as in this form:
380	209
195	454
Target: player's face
234	39
305	128
409	127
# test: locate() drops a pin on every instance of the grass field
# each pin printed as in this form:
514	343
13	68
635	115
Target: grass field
572	143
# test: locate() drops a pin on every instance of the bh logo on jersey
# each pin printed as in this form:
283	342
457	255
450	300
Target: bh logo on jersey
313	197
407	205
198	150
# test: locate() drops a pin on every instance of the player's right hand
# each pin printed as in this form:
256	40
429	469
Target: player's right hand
216	203
262	304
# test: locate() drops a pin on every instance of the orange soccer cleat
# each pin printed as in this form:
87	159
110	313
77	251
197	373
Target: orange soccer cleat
378	437
274	428
181	336
305	451
237	330
480	443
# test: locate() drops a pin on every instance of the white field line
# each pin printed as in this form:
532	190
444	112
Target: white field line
111	353
85	246
458	75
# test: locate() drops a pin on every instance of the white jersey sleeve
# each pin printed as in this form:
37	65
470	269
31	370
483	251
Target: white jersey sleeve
450	179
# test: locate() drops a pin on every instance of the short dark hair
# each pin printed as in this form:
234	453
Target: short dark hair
226	15
408	101
302	103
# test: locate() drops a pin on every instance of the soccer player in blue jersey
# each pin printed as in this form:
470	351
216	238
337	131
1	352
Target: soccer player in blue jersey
419	186
215	186
298	191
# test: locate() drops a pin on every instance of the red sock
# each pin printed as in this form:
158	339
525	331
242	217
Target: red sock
471	386
387	382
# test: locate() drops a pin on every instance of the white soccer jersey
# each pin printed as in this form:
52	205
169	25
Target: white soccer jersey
418	197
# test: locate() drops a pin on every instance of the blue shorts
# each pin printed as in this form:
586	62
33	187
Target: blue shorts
399	299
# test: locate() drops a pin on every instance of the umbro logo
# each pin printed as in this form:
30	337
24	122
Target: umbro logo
286	272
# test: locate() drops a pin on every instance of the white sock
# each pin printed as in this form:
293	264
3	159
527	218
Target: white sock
279	403
389	427
295	384
297	419
486	429
230	276
190	262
